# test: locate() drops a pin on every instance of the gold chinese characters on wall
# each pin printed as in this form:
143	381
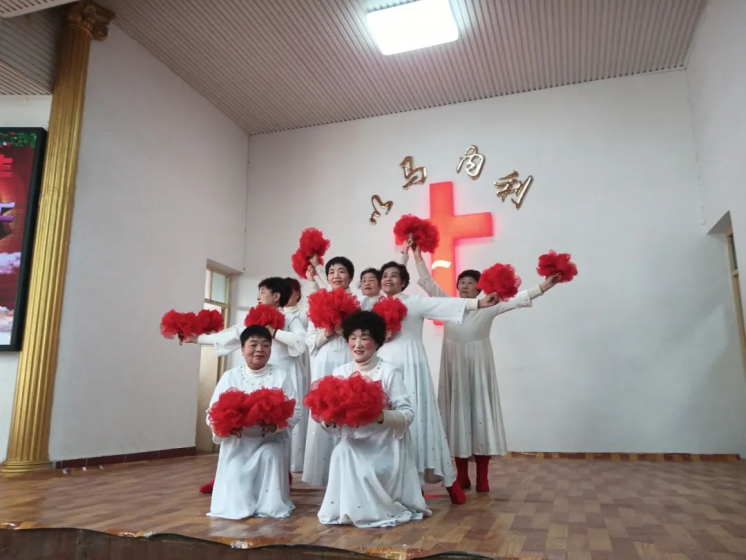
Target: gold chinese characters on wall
387	206
413	175
510	184
472	162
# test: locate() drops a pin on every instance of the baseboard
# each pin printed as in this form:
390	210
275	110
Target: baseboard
127	458
658	457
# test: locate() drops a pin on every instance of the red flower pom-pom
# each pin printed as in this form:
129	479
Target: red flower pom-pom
426	235
228	412
268	406
325	399
557	263
392	310
353	401
312	242
300	263
178	324
365	401
327	309
265	315
208	321
500	279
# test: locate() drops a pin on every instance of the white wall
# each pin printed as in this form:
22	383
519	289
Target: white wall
717	90
161	188
30	111
639	353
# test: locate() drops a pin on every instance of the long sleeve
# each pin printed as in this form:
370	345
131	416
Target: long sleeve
403	258
401	414
427	282
447	309
293	336
226	341
320	278
315	337
522	299
289	389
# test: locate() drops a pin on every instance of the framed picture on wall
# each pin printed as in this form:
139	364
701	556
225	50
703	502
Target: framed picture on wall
21	163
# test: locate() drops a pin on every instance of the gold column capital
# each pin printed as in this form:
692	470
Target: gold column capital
90	17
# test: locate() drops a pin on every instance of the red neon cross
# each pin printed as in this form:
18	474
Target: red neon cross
453	228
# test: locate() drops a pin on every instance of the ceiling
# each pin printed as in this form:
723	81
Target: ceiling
274	65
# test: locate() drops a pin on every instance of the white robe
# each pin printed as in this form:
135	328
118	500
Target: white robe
298	444
406	351
468	396
327	354
252	474
373	480
288	349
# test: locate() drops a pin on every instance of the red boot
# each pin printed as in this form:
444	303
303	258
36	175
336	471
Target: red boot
207	488
462	473
456	493
483	469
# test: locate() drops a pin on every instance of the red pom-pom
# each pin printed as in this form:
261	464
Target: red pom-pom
208	321
178	324
557	263
300	263
312	242
500	279
425	233
354	401
325	398
365	401
327	309
268	406
265	315
393	312
228	412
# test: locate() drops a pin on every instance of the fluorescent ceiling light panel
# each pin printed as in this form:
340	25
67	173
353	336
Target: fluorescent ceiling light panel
413	26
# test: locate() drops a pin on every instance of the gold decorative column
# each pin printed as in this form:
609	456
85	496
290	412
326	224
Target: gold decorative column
28	449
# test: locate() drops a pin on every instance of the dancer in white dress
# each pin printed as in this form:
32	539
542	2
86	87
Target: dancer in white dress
298	440
468	396
407	351
328	351
288	349
373	480
251	479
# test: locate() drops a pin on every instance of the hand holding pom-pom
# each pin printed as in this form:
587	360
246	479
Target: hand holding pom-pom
557	265
227	414
312	247
393	312
327	309
500	279
265	316
424	233
269	409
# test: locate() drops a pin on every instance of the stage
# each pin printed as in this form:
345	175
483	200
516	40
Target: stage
537	508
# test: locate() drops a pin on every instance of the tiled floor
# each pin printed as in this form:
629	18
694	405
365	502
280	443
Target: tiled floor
551	508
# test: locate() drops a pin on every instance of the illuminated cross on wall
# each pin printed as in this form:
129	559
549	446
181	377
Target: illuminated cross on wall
452	229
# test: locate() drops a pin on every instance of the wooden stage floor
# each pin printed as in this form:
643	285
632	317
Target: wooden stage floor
551	508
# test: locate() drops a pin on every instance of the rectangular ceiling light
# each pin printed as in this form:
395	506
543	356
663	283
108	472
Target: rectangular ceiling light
412	26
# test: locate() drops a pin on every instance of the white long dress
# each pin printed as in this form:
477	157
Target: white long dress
288	349
298	443
468	396
373	480
252	475
326	355
406	351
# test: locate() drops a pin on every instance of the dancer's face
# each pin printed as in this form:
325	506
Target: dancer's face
467	287
369	285
268	297
362	346
338	276
391	282
256	351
